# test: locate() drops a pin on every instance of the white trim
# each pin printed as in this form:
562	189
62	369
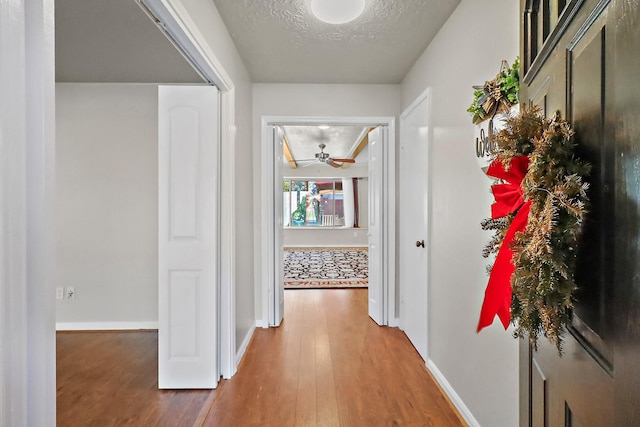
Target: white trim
262	324
268	257
451	393
424	95
106	326
40	133
267	173
329	120
179	12
13	210
176	22
390	223
27	187
394	322
227	233
243	347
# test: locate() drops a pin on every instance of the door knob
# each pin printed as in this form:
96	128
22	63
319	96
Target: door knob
419	243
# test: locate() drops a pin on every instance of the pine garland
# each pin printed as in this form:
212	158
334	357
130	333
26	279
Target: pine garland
543	285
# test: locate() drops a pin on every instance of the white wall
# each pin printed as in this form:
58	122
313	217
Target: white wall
310	100
481	368
107	203
210	26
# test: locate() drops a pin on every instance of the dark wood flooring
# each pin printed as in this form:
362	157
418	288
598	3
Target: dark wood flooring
328	364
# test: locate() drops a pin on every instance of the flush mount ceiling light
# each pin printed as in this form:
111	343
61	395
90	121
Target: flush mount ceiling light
337	11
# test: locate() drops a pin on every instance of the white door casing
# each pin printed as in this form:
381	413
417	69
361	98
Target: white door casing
188	149
278	278
375	229
414	223
27	205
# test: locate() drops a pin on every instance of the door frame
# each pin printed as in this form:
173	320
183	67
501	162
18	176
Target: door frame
27	206
423	97
196	50
267	173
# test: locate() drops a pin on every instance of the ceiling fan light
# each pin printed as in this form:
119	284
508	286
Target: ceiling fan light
337	11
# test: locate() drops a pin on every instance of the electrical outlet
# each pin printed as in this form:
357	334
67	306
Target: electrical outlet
71	292
59	293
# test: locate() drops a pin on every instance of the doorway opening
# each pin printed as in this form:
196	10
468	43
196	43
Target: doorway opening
380	233
325	209
126	142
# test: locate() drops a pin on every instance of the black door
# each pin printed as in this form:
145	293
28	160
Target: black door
582	58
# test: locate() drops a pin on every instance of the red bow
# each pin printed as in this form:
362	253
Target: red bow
509	199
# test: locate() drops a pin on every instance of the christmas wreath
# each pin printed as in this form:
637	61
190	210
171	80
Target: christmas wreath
537	217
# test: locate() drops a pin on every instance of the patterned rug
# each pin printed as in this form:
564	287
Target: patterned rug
308	268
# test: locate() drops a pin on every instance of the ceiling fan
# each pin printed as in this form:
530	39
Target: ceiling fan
326	158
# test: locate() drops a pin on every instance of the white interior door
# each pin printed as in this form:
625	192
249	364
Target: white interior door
188	142
413	220
375	234
278	278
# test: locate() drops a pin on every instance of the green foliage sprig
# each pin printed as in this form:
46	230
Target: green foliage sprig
543	285
497	95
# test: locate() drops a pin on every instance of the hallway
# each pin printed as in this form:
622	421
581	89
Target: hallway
328	364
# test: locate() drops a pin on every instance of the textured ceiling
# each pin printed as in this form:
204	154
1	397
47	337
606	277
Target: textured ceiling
340	142
114	41
280	41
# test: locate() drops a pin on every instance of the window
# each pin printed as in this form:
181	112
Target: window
320	202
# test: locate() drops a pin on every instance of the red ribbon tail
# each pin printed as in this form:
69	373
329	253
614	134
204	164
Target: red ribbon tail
497	296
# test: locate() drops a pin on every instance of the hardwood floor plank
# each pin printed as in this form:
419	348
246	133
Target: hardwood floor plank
306	409
326	397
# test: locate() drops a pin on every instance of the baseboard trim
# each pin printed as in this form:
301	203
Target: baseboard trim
262	324
244	345
105	326
453	396
394	322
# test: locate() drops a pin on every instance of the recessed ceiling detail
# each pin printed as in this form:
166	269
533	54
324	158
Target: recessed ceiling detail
280	41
